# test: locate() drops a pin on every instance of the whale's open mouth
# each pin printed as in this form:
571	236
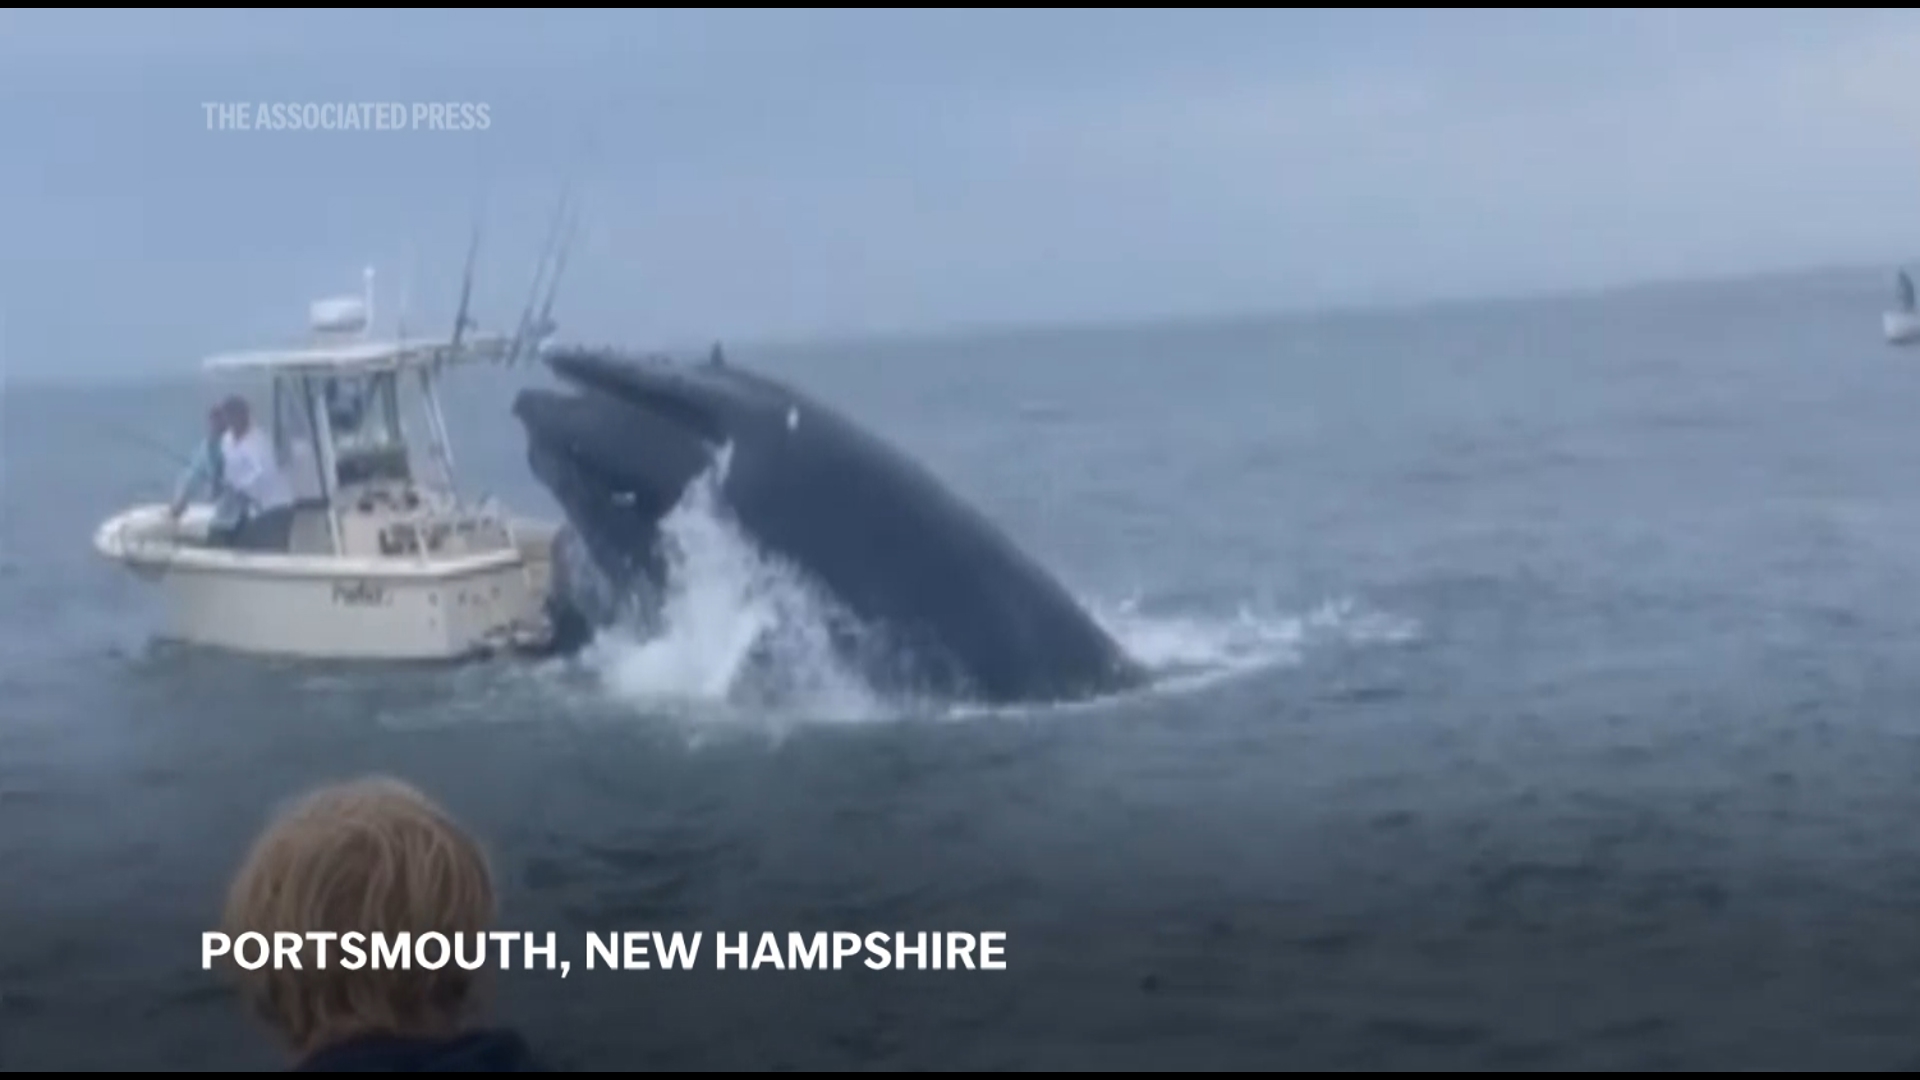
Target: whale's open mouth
614	446
955	604
668	393
617	451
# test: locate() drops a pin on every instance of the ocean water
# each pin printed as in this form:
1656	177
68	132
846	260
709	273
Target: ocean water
1538	691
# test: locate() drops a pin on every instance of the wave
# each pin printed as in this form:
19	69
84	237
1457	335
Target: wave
739	637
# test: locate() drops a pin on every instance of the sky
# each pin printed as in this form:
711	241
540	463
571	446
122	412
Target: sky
817	174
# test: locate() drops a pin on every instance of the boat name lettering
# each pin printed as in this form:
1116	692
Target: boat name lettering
359	593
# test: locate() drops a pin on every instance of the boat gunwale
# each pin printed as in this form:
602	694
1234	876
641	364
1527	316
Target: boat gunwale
112	541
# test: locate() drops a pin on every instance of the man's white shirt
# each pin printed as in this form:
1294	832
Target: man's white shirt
249	466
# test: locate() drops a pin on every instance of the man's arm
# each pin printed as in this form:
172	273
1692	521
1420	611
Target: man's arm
199	471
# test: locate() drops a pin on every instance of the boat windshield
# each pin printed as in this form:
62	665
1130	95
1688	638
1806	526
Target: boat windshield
363	413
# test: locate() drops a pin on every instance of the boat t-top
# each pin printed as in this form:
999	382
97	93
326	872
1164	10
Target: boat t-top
385	560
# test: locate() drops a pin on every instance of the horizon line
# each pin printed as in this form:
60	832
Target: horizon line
984	330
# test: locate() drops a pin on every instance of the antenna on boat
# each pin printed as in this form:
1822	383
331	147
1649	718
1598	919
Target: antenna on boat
545	327
461	320
406	295
554	252
366	328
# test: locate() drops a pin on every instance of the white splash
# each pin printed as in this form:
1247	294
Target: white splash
735	628
742	639
1187	653
1176	644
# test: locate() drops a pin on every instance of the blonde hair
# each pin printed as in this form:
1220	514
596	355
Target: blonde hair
369	855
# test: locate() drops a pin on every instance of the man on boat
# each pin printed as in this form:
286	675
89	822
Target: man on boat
253	470
204	470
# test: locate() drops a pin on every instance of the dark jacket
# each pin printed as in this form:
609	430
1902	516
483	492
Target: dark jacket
494	1050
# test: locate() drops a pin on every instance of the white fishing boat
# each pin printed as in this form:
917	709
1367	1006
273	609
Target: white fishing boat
386	560
1902	324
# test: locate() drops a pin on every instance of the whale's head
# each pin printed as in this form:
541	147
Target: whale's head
955	604
620	447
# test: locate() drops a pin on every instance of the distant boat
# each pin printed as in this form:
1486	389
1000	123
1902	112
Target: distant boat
1902	324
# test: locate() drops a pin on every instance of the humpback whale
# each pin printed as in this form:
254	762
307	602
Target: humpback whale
945	602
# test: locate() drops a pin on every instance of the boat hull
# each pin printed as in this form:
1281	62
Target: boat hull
1901	327
315	608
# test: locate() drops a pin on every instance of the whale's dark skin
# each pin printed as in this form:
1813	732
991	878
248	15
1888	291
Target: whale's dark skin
960	610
